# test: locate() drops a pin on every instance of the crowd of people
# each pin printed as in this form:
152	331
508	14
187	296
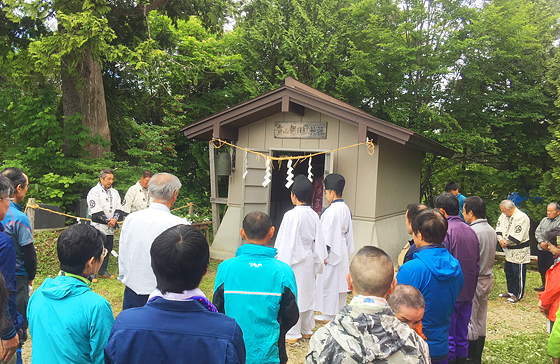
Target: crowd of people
429	308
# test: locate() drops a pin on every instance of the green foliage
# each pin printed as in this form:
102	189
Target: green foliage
186	73
471	78
38	133
77	31
175	78
81	26
402	55
550	185
480	80
45	145
53	186
152	146
300	39
500	102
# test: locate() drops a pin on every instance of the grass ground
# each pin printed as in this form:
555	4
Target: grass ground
516	333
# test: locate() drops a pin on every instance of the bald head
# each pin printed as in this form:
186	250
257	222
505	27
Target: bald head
372	272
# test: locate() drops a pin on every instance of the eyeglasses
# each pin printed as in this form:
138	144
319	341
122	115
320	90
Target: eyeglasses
105	251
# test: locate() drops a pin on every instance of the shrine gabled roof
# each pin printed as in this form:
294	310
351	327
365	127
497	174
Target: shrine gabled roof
295	97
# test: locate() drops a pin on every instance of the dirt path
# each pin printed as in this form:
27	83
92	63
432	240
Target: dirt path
506	319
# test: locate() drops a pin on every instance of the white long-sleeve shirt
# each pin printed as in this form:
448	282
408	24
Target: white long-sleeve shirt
138	233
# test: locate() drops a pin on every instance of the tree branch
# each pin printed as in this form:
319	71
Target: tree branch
140	9
147	23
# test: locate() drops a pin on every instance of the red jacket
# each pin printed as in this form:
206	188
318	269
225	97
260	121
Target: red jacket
550	297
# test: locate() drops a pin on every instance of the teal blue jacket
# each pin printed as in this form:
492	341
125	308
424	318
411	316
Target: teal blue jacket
260	293
68	322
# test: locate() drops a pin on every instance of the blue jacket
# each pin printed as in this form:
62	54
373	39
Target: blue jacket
68	322
260	293
165	331
7	263
438	275
461	199
17	226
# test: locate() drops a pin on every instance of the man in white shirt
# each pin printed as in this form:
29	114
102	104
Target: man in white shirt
512	231
104	205
137	197
336	220
138	233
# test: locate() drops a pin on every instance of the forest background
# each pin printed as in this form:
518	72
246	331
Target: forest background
91	84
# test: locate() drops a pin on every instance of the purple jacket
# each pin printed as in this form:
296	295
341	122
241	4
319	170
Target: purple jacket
462	243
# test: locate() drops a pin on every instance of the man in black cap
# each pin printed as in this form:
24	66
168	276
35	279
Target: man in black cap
336	220
300	244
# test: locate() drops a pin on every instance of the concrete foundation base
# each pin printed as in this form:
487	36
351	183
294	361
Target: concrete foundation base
227	240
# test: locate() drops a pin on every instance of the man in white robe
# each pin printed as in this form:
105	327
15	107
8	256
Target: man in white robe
336	220
300	244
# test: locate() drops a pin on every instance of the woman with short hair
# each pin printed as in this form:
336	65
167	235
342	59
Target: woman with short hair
68	322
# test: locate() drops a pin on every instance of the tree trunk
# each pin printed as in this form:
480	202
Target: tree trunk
83	93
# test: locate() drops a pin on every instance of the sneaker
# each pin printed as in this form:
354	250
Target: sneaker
505	295
513	299
291	341
106	275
